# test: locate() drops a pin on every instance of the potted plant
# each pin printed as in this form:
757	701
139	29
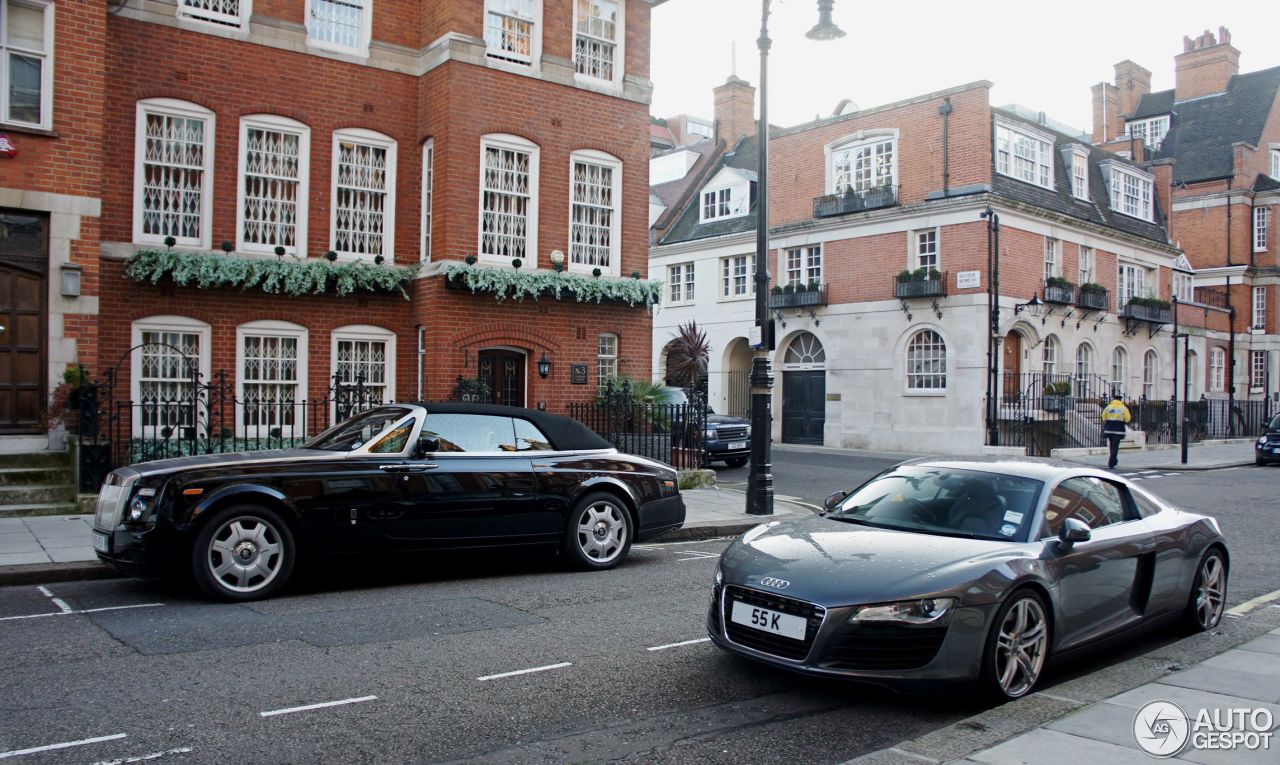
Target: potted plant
904	276
65	400
1057	396
1058	281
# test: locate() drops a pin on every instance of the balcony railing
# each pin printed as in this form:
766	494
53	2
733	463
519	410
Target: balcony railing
934	285
855	201
1060	293
1094	299
1152	313
798	299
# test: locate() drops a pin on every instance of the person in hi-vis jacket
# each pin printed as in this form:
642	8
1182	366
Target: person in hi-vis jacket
1114	419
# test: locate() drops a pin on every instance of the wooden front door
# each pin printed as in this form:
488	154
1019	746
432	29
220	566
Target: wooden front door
504	371
804	406
23	269
1012	364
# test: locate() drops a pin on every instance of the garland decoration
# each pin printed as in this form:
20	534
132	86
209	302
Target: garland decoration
520	284
289	276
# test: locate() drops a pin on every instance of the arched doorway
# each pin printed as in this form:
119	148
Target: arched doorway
1012	363
503	369
737	383
804	390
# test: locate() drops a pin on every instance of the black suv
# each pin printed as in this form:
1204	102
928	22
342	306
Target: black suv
727	438
1267	448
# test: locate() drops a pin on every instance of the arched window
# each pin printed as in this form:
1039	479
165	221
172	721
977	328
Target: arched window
1119	369
1217	369
805	352
926	361
363	364
271	379
170	359
1049	357
1150	368
1084	361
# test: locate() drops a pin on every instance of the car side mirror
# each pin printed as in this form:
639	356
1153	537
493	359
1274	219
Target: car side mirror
1074	530
834	499
426	445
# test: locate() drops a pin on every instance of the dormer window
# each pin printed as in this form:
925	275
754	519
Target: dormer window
1131	191
1151	131
727	195
1275	164
1024	154
863	162
1080	173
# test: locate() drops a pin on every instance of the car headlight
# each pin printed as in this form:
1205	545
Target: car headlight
711	433
137	510
1262	440
719	577
927	611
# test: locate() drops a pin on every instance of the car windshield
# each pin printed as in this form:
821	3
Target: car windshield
354	433
950	501
1274	424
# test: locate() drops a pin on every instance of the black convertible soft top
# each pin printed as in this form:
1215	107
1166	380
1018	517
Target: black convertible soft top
566	434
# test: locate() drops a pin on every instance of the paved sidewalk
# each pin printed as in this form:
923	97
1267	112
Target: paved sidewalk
1209	455
58	548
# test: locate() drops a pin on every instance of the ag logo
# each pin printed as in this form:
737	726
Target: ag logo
1161	728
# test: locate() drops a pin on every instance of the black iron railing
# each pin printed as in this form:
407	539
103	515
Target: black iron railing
855	201
672	433
1206	418
811	296
1157	314
1064	294
1093	299
932	285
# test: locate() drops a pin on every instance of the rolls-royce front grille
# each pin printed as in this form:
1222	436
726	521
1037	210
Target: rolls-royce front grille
882	646
777	645
732	434
112	498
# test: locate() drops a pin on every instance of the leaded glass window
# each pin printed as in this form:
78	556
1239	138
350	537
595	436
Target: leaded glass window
363	205
273	192
337	23
226	13
173	176
270	385
363	364
506	184
168	363
595	40
593	219
509	29
927	362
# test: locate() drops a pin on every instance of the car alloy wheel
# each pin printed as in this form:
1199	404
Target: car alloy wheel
243	553
599	533
1209	593
1017	654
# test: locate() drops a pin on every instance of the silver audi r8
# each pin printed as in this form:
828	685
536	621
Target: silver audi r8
966	570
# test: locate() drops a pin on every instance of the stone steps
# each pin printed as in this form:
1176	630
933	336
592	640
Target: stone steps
27	476
45	459
38	483
34	494
40	508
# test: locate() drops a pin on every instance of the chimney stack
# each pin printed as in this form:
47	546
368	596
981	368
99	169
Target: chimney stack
1106	113
1133	82
735	111
1205	66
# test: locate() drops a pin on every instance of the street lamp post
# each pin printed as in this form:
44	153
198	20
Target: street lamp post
760	476
993	318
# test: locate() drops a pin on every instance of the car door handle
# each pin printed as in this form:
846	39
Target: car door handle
419	468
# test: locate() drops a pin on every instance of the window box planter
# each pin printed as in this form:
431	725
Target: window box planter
1063	293
932	285
1093	299
811	297
1154	312
855	201
1058	403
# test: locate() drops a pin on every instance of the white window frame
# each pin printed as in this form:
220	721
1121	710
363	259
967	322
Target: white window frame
1119	368
1132	192
724	202
619	45
508	142
728	276
1261	226
496	53
614	165
919	378
372	138
276	123
680	280
186	12
1150	374
1087	265
46	57
359	333
428	191
800	265
1049	356
361	48
277	329
917	258
1151	130
1084	366
1184	286
165	323
1080	173
1040	167
867	140
605	360
1259	308
1135	285
1217	369
1257	371
1275	163
171	107
1052	257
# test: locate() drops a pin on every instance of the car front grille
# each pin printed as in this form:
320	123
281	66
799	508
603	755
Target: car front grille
776	645
882	646
109	511
738	433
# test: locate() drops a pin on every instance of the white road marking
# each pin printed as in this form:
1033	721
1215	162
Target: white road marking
63	745
677	645
145	757
676	544
1061	698
321	705
82	611
697	555
66	609
561	665
1249	605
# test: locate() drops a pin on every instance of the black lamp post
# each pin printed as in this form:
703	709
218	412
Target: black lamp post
760	475
993	314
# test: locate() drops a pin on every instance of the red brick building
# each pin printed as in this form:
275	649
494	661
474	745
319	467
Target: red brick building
240	136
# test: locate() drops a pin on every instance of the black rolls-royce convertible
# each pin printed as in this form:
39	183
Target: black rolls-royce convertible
399	478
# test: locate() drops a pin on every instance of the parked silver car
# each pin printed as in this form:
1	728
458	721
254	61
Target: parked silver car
948	570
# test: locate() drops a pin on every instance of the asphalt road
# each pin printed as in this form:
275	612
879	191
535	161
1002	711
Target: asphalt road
413	662
811	475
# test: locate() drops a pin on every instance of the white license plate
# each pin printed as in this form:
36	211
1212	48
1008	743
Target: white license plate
737	445
101	542
766	620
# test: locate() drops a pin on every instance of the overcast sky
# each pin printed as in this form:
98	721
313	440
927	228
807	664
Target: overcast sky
1041	55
